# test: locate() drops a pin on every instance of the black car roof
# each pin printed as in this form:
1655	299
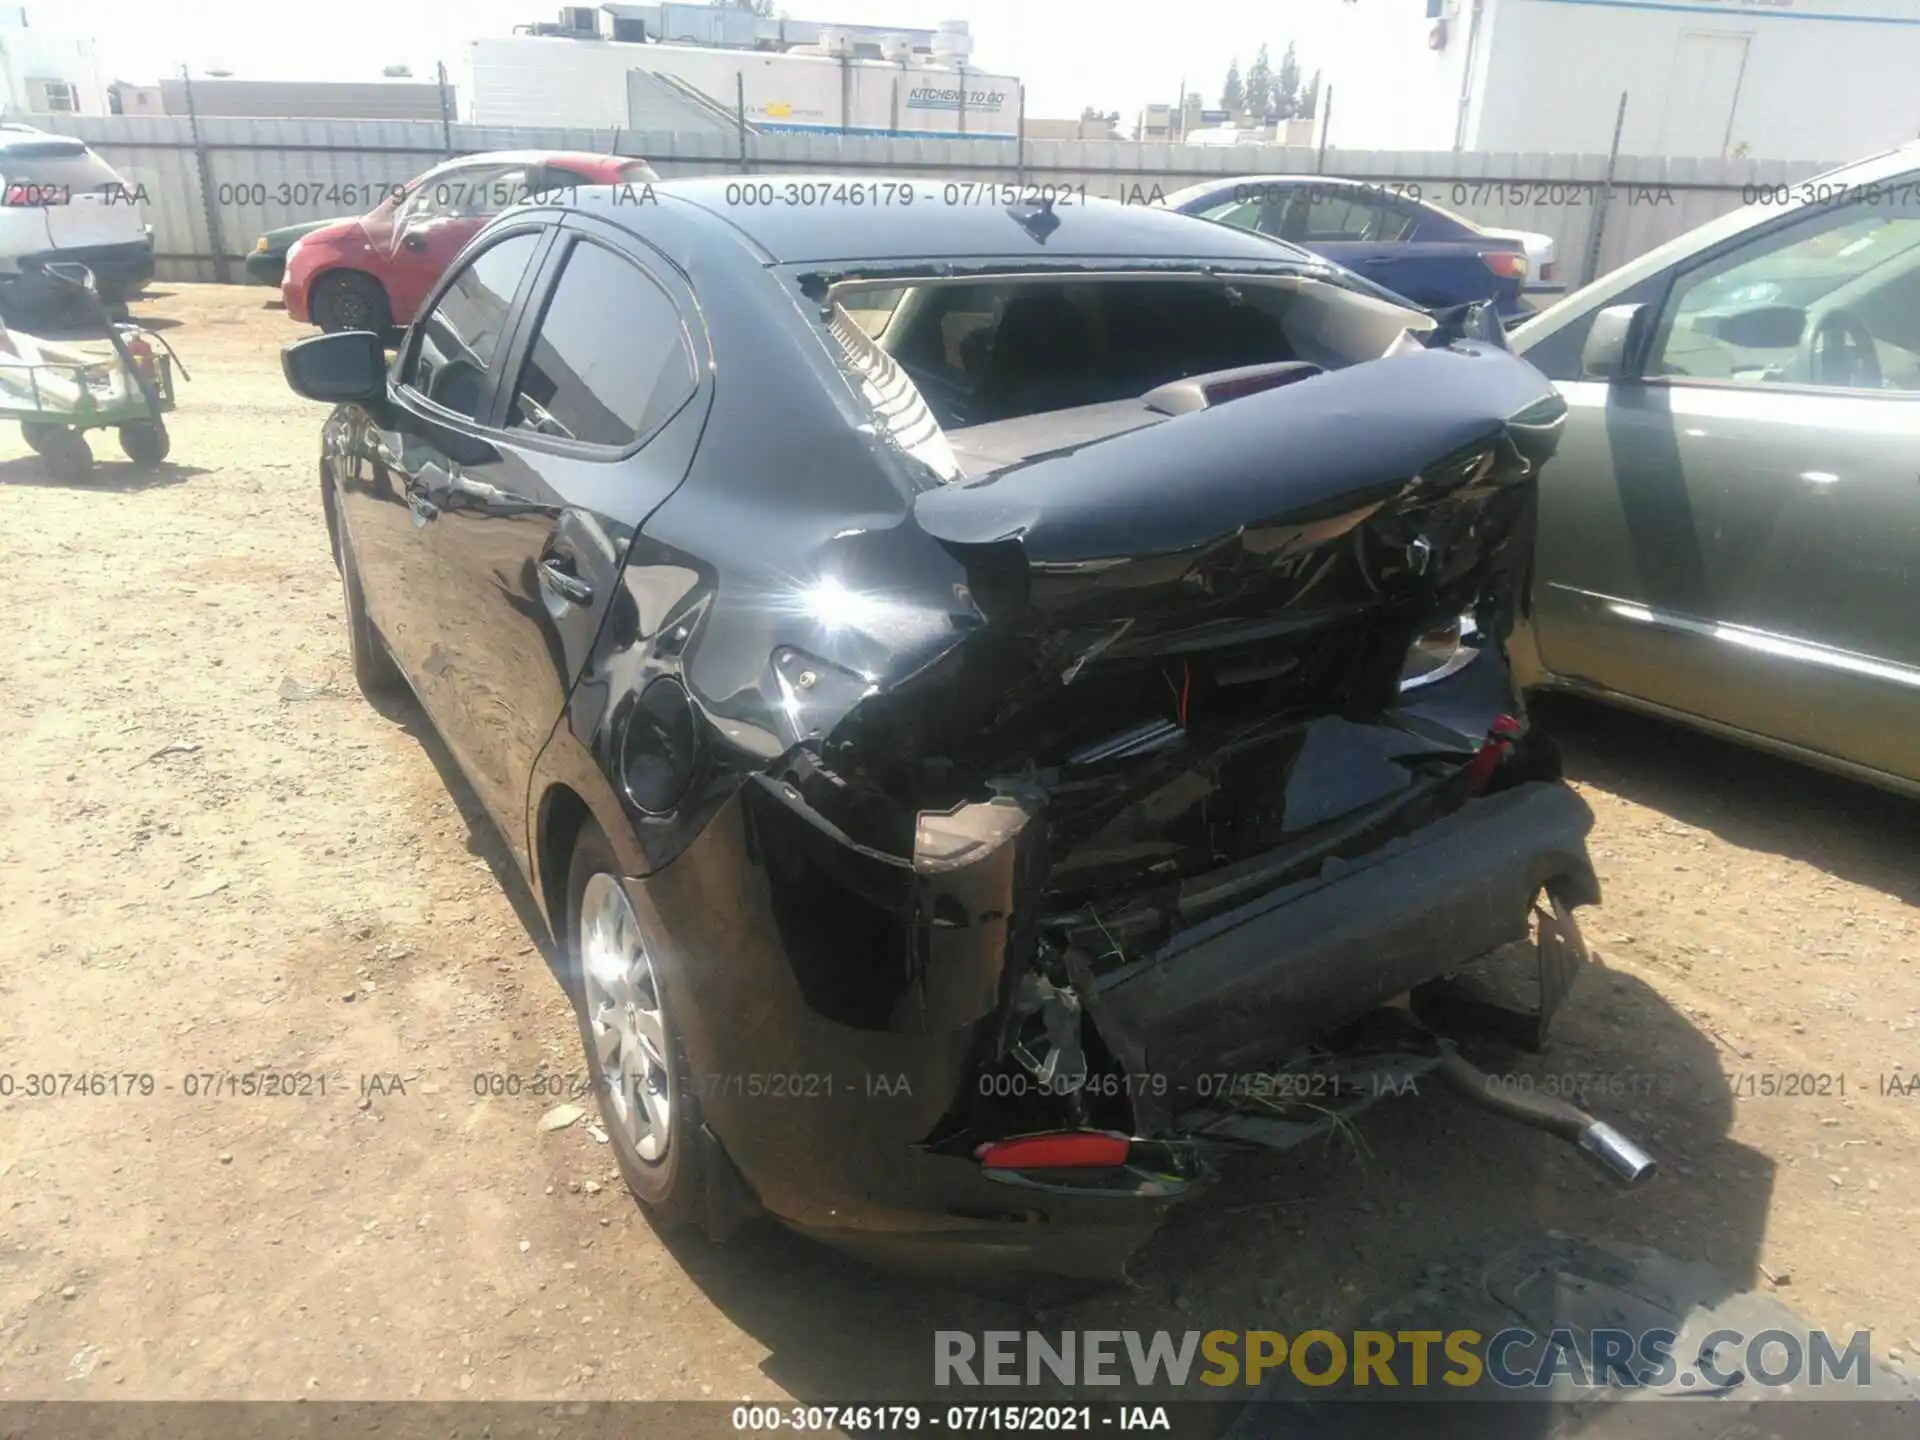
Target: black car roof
945	220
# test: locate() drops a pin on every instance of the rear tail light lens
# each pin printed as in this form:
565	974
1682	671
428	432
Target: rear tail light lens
1059	1150
1507	264
1493	750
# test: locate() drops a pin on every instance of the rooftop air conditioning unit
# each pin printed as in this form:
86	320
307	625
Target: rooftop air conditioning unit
579	20
951	42
897	48
629	31
835	41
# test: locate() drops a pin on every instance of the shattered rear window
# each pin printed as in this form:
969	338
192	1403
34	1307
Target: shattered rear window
1001	349
900	412
872	309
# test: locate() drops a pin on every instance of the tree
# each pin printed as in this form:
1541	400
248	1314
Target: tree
1260	96
762	8
1309	107
1233	96
1286	86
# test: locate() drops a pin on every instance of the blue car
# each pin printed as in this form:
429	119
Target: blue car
1414	248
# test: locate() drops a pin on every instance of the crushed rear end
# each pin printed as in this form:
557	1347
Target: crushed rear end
1215	754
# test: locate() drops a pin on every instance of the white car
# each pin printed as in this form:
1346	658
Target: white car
59	201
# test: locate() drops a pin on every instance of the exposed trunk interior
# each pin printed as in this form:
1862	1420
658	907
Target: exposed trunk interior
1211	556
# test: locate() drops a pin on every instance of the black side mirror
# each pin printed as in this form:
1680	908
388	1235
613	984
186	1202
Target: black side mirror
349	366
1612	340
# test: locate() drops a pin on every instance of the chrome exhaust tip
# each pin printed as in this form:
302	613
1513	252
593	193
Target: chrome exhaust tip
1624	1159
1615	1151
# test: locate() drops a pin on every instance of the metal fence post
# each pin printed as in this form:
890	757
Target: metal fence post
446	111
204	164
1020	144
740	113
1599	229
1326	125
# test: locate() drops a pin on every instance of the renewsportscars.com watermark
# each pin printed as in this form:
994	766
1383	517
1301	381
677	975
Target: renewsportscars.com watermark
1378	1360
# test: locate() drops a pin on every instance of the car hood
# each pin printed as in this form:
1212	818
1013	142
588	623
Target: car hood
283	237
350	230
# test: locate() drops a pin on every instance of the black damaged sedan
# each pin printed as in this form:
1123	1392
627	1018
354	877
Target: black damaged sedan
981	694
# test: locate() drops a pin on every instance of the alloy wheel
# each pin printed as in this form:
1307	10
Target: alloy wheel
626	1013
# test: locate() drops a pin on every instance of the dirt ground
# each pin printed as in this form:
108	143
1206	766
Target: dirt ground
215	857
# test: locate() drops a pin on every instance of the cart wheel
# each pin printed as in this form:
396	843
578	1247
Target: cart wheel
66	453
146	442
39	436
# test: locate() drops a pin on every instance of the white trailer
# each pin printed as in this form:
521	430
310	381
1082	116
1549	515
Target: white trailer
557	80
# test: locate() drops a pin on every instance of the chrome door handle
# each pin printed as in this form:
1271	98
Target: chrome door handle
557	575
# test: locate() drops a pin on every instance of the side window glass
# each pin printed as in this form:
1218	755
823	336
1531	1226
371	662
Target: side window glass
487	194
1831	301
543	179
459	338
1243	213
610	362
1394	224
1332	216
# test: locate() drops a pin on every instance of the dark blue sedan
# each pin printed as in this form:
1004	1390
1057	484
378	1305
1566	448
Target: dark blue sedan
1416	249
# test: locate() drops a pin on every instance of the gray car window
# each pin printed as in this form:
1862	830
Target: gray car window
459	337
1831	301
610	362
1243	212
1331	214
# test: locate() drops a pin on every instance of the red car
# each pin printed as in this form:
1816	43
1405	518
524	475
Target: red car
373	272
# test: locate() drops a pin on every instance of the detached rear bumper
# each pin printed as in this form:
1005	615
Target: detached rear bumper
1255	983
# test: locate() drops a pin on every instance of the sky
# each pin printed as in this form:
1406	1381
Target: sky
1069	53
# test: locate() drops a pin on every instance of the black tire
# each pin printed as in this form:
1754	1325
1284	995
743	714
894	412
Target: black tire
671	1187
351	300
146	442
373	668
66	454
39	436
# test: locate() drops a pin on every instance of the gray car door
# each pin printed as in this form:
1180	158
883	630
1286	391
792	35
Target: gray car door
1732	528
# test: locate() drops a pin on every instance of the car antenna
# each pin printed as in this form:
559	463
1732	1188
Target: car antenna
1036	217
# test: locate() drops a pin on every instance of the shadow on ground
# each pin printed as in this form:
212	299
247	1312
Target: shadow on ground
108	477
1748	798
